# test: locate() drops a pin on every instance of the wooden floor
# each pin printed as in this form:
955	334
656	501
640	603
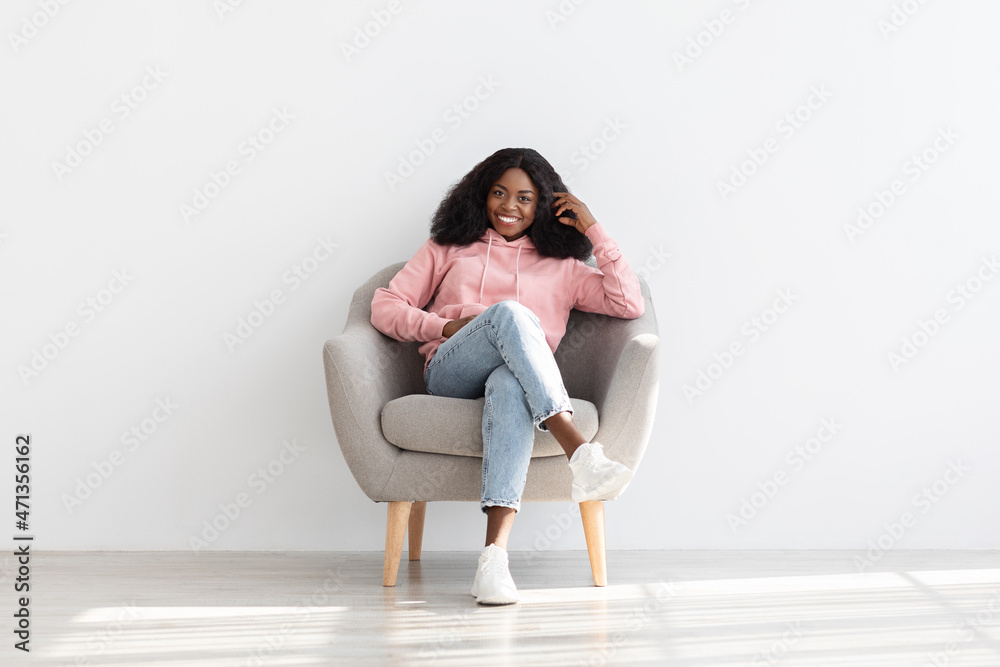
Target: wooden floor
704	608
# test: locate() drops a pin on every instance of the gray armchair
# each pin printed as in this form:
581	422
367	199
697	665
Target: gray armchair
405	447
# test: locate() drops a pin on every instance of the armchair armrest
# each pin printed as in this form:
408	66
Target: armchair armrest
614	363
365	370
626	420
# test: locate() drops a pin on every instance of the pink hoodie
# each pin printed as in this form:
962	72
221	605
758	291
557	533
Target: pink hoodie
455	281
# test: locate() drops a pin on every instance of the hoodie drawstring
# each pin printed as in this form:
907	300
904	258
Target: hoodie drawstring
517	272
482	284
517	275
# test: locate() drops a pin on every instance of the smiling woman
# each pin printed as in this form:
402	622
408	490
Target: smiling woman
511	204
489	295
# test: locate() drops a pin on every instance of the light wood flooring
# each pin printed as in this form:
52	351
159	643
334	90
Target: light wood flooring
692	608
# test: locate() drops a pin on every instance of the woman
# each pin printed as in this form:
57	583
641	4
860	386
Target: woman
499	275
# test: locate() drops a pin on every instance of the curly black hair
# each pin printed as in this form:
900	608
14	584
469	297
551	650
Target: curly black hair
461	217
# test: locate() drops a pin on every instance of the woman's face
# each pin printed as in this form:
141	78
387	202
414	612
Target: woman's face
510	204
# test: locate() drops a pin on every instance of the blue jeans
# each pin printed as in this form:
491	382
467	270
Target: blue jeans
502	354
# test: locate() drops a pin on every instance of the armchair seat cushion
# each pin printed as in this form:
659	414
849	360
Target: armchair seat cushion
443	425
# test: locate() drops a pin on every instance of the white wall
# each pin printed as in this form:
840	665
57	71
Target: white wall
675	130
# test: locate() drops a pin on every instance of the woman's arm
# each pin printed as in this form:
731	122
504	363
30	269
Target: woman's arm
612	288
397	309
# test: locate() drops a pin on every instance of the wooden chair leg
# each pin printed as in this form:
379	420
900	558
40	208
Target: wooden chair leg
416	529
395	531
592	513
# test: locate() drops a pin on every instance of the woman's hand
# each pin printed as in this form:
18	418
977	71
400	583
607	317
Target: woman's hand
454	325
567	202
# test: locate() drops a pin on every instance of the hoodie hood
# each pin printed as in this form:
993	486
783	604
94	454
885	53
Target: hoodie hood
491	236
494	234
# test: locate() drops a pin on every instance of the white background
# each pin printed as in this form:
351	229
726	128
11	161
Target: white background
562	73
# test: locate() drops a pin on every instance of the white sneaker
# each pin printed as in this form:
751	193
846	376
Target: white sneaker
595	476
493	583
